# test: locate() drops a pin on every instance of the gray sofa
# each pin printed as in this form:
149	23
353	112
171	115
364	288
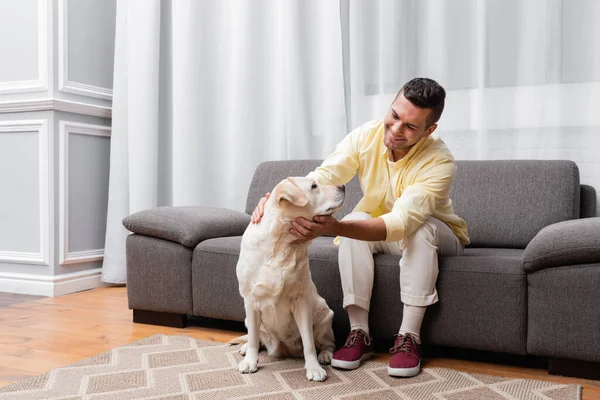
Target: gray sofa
529	282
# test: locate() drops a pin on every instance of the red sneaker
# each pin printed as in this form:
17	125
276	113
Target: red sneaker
406	359
356	349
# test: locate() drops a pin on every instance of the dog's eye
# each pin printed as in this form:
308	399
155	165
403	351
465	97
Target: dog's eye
314	185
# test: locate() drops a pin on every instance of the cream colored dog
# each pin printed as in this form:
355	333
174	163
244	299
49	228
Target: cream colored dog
284	312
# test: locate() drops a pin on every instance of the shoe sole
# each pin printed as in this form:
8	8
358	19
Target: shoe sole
350	364
404	372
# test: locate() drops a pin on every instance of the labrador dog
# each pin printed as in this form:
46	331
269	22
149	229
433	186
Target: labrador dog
284	312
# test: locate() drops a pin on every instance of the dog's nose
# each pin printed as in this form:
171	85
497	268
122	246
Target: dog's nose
342	187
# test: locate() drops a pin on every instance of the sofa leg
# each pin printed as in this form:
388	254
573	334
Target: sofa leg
574	368
160	318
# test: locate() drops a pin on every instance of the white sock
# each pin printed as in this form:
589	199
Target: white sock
412	318
359	318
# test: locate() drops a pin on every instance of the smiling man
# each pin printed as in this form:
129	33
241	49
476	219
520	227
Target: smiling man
406	173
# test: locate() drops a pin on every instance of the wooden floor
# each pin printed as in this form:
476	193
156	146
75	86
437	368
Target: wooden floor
40	334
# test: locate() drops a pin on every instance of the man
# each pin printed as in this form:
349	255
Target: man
406	172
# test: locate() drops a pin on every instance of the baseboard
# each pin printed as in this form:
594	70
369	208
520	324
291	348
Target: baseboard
51	286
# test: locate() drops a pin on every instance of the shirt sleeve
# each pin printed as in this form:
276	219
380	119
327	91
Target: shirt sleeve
341	165
419	200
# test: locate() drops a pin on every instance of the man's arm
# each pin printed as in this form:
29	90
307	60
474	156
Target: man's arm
369	230
419	200
409	212
341	165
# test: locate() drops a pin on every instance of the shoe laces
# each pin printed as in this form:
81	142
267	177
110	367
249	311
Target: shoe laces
405	344
355	336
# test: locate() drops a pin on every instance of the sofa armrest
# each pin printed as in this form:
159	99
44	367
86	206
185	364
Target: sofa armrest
187	226
564	243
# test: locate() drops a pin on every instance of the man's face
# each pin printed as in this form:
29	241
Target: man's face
405	124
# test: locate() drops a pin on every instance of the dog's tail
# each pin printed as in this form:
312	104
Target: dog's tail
238	340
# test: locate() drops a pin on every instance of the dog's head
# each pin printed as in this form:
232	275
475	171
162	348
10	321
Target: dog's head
303	197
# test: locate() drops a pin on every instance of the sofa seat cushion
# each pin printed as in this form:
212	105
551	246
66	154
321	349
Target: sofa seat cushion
214	282
483	300
482	303
215	292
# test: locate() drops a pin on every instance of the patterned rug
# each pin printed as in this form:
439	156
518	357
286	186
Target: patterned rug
183	368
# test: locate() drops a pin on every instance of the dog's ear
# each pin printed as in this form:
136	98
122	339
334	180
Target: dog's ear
291	192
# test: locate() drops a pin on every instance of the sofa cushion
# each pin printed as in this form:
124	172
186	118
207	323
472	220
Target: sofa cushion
187	225
506	202
215	291
215	287
564	243
482	294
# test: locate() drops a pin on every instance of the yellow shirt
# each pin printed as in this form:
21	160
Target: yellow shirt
403	193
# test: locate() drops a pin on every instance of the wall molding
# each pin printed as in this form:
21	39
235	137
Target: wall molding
64	84
19	257
75	257
51	285
44	171
41	83
55	105
67	128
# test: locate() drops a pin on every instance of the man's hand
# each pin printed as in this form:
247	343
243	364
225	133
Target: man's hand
306	230
259	211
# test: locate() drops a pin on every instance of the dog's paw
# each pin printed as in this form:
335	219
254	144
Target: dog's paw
325	357
316	374
247	366
242	350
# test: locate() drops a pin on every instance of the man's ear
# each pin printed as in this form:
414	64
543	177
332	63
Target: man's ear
291	192
430	130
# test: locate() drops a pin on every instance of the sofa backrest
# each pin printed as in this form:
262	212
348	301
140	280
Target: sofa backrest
504	202
587	208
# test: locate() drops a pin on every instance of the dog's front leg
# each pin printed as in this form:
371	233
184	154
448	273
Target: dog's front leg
250	361
303	314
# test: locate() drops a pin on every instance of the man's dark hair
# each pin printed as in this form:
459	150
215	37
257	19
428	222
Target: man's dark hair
425	93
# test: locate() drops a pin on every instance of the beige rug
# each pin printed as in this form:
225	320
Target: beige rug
179	367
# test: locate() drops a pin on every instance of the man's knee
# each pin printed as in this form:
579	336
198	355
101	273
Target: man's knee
357	216
427	232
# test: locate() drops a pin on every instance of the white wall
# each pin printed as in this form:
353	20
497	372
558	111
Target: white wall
55	109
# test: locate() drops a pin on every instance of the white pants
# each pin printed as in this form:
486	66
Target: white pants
418	265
